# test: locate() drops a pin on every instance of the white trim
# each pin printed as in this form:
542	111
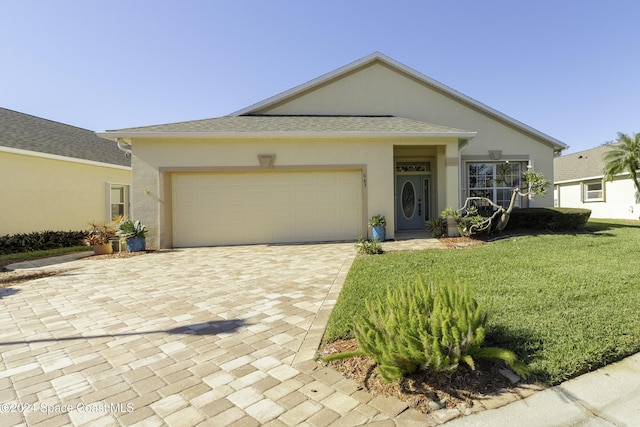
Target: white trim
127	199
584	191
61	158
281	134
377	56
624	175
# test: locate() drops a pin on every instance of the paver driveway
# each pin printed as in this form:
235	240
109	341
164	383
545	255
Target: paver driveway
211	336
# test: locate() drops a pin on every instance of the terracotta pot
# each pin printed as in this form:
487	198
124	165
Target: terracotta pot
107	248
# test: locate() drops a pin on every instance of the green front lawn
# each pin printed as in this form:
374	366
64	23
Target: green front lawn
29	256
565	303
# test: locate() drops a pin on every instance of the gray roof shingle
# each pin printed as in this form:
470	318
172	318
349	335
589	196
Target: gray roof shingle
310	124
583	164
26	132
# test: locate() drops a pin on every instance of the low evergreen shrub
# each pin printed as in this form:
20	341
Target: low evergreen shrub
555	219
369	247
28	242
425	327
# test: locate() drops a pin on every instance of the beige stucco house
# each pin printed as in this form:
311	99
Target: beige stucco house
579	183
315	162
57	177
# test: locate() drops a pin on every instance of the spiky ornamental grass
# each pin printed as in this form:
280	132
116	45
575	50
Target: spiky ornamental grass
425	327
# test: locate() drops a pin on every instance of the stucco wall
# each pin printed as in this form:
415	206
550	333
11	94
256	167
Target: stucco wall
153	157
39	194
619	199
380	90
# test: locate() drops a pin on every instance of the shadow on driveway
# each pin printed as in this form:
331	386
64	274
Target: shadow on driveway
208	328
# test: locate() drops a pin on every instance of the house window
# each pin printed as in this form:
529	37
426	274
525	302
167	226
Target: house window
406	167
592	191
495	181
118	201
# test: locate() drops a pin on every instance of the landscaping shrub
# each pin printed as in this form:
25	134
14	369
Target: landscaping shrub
555	219
28	242
429	327
369	247
473	222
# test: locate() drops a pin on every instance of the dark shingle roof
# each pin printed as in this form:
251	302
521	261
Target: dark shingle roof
26	132
584	164
308	124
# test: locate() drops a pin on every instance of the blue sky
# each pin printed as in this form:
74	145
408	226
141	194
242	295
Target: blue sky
570	69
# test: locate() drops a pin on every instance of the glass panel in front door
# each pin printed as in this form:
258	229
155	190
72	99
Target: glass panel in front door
410	211
408	200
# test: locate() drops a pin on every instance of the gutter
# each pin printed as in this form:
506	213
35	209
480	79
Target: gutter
119	136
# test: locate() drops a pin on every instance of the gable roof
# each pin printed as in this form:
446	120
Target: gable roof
294	126
379	57
581	165
25	132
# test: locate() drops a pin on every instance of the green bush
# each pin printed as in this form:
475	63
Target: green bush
437	226
473	222
28	242
421	327
555	219
369	247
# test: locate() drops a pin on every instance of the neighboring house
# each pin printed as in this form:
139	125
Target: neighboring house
315	162
57	177
579	183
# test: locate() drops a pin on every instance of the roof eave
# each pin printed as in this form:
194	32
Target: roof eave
112	135
50	156
377	56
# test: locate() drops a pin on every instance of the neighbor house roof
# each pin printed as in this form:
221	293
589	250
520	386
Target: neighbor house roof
581	165
25	132
293	126
428	81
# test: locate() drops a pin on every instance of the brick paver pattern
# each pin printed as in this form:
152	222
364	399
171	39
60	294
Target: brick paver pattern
203	336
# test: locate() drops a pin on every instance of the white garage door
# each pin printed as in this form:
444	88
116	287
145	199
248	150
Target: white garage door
266	207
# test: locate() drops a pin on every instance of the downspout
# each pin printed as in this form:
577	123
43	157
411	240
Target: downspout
530	200
123	146
463	144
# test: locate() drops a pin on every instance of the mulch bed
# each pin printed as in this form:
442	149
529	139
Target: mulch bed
461	242
424	391
116	255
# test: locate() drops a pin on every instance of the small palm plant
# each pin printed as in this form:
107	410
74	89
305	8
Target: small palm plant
624	156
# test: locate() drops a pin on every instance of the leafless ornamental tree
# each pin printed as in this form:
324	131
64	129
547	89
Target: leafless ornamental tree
535	184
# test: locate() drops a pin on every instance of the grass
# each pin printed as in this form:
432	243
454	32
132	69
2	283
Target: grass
565	303
29	256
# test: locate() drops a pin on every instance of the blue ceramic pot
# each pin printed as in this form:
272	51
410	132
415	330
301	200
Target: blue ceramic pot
135	244
379	233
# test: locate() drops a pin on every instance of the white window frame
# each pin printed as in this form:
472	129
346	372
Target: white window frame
110	202
592	195
492	186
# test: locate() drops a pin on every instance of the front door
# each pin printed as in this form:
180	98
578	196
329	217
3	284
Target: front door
411	191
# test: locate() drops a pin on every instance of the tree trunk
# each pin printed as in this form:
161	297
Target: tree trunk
506	214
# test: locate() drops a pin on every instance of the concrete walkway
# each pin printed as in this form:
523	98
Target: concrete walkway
607	397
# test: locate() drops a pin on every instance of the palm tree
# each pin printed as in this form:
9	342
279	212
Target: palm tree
624	156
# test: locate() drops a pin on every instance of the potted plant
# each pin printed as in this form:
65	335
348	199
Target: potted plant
452	217
437	226
378	230
134	232
98	237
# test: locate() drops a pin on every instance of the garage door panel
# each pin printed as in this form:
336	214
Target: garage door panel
266	207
